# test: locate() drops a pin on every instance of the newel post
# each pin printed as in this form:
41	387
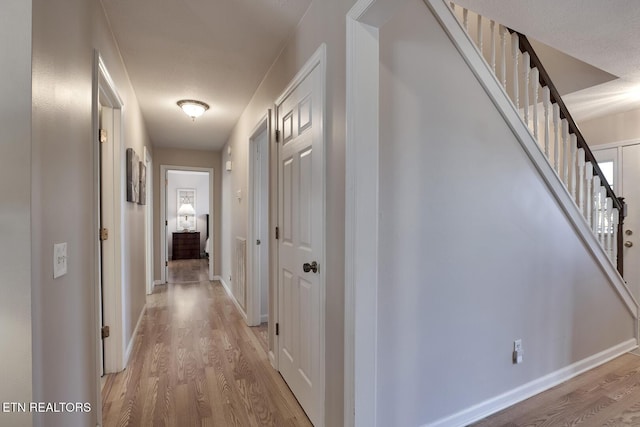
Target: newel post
622	213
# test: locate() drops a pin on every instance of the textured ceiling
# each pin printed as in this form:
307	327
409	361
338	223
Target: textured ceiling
603	34
216	51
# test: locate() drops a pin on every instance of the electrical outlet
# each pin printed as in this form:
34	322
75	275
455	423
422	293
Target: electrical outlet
59	259
517	351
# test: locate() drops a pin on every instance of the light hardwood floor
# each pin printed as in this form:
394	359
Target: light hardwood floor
196	363
188	270
606	396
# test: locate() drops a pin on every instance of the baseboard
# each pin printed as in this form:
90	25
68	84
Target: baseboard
272	360
158	282
127	354
233	298
498	403
264	318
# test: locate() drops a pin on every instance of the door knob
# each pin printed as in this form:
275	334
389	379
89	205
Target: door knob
628	244
310	267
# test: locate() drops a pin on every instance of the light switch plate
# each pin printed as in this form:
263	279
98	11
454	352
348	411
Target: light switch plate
59	259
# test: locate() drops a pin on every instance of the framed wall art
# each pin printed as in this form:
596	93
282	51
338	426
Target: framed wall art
133	176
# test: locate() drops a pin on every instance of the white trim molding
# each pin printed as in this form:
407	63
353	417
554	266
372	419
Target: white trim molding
110	303
134	335
361	204
227	289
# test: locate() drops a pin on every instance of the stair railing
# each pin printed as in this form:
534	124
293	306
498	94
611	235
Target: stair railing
551	124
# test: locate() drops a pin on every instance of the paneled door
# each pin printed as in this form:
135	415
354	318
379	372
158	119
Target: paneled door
301	241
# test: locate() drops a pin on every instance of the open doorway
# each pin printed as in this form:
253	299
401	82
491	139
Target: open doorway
187	237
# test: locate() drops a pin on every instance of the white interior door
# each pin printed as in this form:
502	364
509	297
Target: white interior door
621	167
259	212
301	242
631	193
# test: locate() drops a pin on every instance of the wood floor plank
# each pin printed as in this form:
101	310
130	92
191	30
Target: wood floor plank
196	363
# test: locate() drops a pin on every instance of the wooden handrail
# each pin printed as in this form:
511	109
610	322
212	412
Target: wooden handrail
545	80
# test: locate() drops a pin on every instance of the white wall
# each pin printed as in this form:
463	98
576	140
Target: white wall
324	22
65	35
15	215
617	127
474	252
186	179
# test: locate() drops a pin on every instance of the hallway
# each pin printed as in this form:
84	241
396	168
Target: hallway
196	363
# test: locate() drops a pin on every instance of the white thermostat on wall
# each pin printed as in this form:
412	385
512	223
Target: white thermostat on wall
228	166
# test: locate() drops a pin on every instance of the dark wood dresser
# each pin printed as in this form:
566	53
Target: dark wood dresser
186	245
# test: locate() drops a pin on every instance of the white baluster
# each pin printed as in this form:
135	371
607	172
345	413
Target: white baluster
556	138
503	65
546	100
492	25
479	31
603	214
465	19
535	76
588	193
615	220
580	177
527	69
573	141
606	228
565	152
515	52
595	205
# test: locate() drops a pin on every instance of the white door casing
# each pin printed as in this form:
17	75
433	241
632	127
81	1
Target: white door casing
110	209
105	94
301	221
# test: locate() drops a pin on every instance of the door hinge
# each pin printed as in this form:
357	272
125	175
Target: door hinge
277	233
166	263
258	242
166	223
104	234
277	328
105	332
102	135
277	135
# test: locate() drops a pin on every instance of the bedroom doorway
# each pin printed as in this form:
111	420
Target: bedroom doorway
187	237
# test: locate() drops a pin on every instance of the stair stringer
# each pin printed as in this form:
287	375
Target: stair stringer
509	112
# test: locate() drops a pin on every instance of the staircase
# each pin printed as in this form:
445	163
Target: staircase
517	68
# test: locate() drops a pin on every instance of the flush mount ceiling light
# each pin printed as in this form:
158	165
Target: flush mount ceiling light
193	108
